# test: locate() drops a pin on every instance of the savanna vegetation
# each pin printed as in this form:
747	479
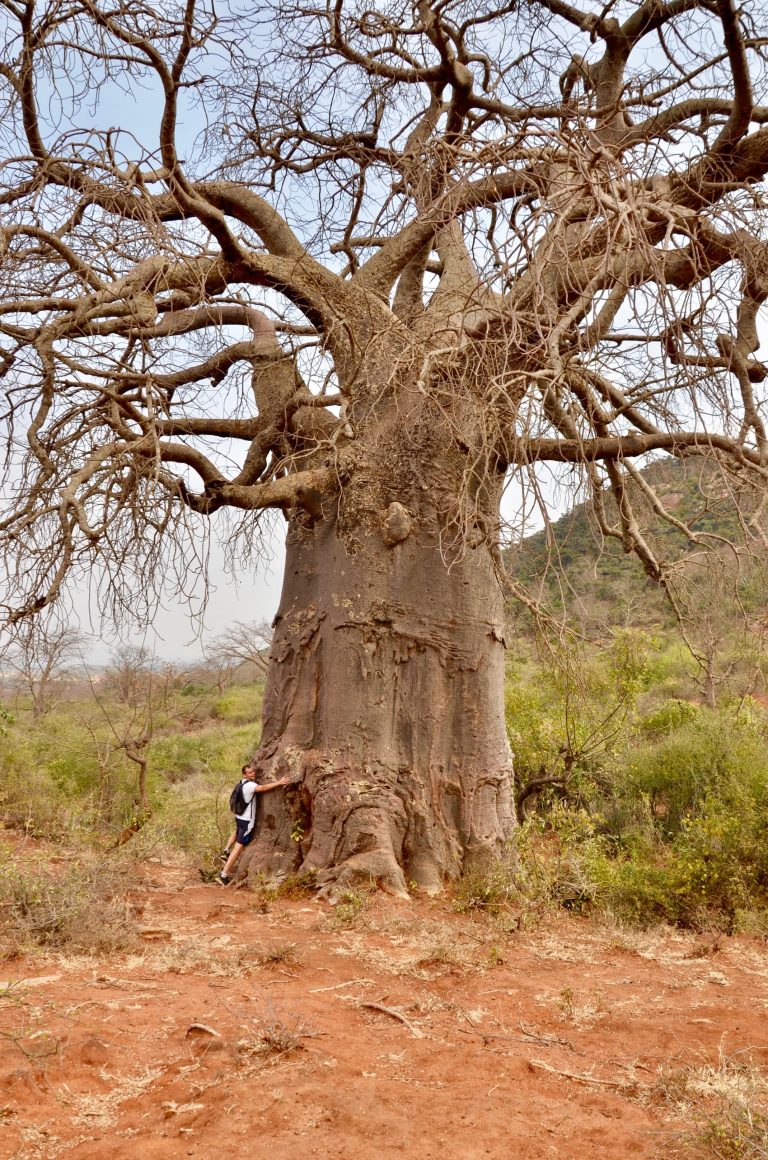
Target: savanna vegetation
370	270
639	802
69	776
637	796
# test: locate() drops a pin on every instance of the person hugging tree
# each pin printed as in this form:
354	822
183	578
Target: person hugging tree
244	806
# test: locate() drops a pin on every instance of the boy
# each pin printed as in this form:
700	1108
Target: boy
245	823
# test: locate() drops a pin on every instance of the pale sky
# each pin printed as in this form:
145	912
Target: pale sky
175	635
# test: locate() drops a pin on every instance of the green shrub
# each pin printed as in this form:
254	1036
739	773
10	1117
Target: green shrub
709	757
193	818
216	753
734	1133
240	704
751	921
720	858
551	862
34	800
672	830
191	689
557	858
65	779
571	718
635	891
488	884
669	717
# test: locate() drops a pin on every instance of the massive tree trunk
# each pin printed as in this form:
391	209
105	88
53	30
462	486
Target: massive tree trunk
385	689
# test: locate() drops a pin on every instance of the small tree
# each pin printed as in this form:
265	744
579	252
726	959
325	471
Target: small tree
725	642
243	645
129	674
145	694
575	714
42	654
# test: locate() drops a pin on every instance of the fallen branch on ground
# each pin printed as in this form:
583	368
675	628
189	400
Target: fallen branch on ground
619	1084
395	1015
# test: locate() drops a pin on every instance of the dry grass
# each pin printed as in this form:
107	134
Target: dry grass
97	1109
21	1025
726	1101
82	907
276	1035
421	951
732	1109
281	954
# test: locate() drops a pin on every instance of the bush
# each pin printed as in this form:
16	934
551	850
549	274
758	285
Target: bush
636	892
214	753
669	717
571	718
34	800
551	862
84	909
558	856
240	705
65	779
721	859
709	757
488	884
193	818
671	830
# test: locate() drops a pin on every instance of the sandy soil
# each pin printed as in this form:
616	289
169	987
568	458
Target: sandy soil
404	1030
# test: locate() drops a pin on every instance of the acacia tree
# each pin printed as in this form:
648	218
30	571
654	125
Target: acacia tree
414	251
140	701
243	646
42	653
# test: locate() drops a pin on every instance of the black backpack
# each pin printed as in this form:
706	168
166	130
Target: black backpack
237	802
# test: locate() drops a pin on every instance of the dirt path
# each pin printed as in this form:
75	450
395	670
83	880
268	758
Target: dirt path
399	1031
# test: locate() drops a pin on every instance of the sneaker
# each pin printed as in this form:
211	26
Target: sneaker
225	855
223	879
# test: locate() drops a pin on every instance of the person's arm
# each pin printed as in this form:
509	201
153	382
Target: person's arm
273	785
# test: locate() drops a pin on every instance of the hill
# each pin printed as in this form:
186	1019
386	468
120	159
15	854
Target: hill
573	567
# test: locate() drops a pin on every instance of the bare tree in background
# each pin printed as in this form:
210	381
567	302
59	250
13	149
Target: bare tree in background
41	654
244	646
144	701
417	251
128	673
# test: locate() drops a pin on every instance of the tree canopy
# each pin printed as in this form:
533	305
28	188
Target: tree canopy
229	231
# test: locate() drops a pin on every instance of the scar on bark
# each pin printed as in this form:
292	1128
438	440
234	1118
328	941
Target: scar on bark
311	500
397	523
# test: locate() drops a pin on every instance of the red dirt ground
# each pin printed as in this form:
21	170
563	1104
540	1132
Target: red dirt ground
414	1031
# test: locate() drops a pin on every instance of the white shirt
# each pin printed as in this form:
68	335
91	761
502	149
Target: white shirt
249	793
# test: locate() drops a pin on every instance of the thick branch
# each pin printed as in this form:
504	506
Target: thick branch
630	447
382	270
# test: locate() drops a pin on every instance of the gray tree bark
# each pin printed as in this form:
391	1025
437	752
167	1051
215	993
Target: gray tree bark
384	695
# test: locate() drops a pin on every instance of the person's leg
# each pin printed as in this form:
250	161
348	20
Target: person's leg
231	861
230	843
244	831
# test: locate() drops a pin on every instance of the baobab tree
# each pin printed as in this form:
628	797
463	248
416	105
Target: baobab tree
364	264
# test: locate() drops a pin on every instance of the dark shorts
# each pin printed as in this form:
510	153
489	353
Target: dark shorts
244	835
